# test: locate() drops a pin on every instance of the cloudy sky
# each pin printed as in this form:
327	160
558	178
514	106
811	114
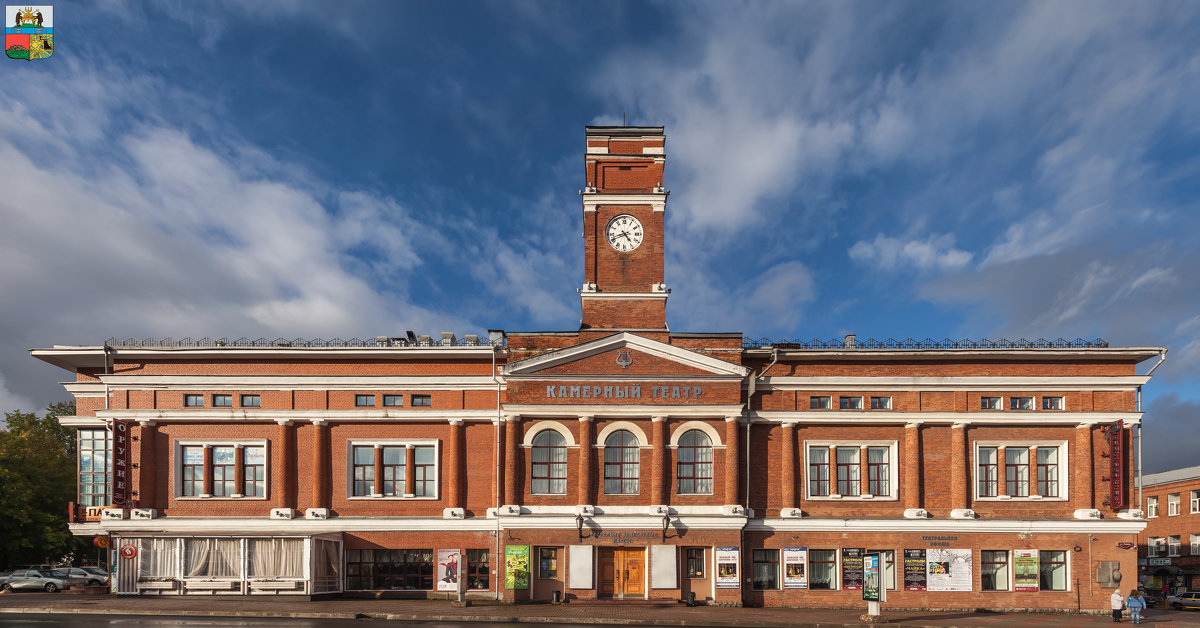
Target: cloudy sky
352	169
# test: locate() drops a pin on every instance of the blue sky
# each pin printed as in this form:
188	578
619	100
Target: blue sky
960	170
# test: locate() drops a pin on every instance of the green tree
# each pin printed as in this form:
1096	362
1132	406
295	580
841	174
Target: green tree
37	481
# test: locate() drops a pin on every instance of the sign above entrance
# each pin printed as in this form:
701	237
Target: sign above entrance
624	391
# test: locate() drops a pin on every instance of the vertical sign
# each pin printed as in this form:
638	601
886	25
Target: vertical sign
852	568
795	567
870	586
516	567
1116	461
1025	570
727	567
914	570
121	478
447	570
948	569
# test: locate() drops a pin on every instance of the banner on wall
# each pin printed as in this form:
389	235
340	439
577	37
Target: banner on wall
852	568
1025	570
727	567
447	571
122	478
914	570
795	567
948	569
516	566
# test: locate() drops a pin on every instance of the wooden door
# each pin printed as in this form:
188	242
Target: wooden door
633	579
622	572
607	572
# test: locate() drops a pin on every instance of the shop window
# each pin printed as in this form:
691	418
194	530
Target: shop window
847	471
1052	403
1156	546
275	558
1016	472
887	560
222	401
1172	504
157	558
549	466
622	467
1173	543
1019	470
765	569
381	469
393	401
822	567
422	401
694	560
1052	566
212	558
478	569
818	471
850	403
881	403
220	466
990	403
251	401
993	570
1020	403
384	569
193	401
364	401
95	466
1151	507
547	562
820	403
694	469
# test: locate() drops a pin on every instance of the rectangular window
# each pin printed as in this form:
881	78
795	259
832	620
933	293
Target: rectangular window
1195	545
275	558
850	403
765	569
364	471
881	403
1016	472
819	403
818	471
395	466
364	401
95	466
822	566
251	401
986	476
1151	507
193	401
994	570
479	573
1173	545
224	471
989	403
1052	565
425	472
384	569
1195	500
888	566
1155	546
254	470
222	401
393	401
547	562
1052	403
694	557
193	471
878	467
1047	471
1172	504
212	558
1020	403
421	401
848	477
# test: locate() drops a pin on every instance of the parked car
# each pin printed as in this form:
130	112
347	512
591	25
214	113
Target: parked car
1191	599
89	576
100	574
32	579
75	578
1153	598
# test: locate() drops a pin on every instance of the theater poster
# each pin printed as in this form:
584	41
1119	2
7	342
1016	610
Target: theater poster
852	568
914	570
1025	570
516	567
447	569
948	569
727	568
795	567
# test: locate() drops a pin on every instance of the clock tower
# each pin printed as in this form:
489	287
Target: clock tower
623	208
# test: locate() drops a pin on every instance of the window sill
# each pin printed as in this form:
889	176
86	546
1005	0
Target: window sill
694	494
389	498
852	498
207	498
1030	498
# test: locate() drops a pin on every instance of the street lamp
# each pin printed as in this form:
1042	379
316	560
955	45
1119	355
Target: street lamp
666	525
579	525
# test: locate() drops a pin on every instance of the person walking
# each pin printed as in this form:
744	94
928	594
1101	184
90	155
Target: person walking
1135	603
1117	602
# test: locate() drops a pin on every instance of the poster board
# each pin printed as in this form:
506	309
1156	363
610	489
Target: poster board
447	569
871	579
852	568
727	567
914	570
516	567
795	567
948	569
1025	570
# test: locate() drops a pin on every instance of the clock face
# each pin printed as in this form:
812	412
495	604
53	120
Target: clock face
624	233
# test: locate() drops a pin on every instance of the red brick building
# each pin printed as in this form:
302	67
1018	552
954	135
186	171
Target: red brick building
621	460
1169	547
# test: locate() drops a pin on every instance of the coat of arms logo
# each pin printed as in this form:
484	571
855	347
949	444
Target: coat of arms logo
29	32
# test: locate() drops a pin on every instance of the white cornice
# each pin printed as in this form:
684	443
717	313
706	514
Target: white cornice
655	200
962	526
85	389
848	384
239	414
622	411
1133	354
298	382
75	357
81	421
623	295
623	340
993	417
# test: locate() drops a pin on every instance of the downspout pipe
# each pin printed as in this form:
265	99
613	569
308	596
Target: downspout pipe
751	388
1162	357
499	465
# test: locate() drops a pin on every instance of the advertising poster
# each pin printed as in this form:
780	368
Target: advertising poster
447	569
795	567
870	588
948	569
914	570
727	568
852	568
516	567
1025	570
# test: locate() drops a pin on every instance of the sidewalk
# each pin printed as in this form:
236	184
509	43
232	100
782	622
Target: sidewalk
541	614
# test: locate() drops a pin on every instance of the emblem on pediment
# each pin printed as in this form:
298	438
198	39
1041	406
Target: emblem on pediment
624	358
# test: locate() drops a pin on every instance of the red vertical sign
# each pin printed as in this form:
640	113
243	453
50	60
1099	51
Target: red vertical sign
1116	461
122	479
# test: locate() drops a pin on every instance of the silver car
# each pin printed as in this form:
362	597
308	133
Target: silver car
89	576
1190	599
33	579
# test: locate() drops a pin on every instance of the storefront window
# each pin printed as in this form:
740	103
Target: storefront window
212	558
765	574
156	558
380	569
822	565
548	562
1053	567
275	558
478	571
888	563
95	466
994	567
695	562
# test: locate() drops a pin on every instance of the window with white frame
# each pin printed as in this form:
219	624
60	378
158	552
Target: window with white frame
1019	470
887	565
157	558
694	463
622	463
548	470
1155	546
850	403
991	403
1052	567
1173	543
95	466
214	558
211	469
993	570
835	469
275	558
380	469
1195	545
1052	403
1172	504
1195	502
1020	403
881	403
819	402
1151	506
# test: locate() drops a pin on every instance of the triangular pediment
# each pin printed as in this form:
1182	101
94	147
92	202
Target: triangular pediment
625	354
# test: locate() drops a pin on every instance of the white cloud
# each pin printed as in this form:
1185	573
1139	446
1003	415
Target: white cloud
936	252
11	402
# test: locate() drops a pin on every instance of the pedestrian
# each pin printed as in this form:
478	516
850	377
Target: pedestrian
1135	604
1117	601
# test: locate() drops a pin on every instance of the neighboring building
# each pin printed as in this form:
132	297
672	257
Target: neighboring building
620	460
1169	547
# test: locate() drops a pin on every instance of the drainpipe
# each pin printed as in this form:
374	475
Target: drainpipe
752	387
1162	357
494	338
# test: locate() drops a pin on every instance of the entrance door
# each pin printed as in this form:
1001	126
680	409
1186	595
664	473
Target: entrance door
622	572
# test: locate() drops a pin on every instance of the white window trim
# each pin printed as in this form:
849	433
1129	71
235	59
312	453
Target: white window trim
541	426
1009	564
177	467
999	408
394	442
1064	488
829	397
643	442
1032	403
1194	544
1194	499
1174	548
886	407
893	467
713	435
1151	506
1174	506
860	402
1062	403
1152	546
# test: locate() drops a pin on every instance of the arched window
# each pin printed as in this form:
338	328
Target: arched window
621	463
549	464
695	457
